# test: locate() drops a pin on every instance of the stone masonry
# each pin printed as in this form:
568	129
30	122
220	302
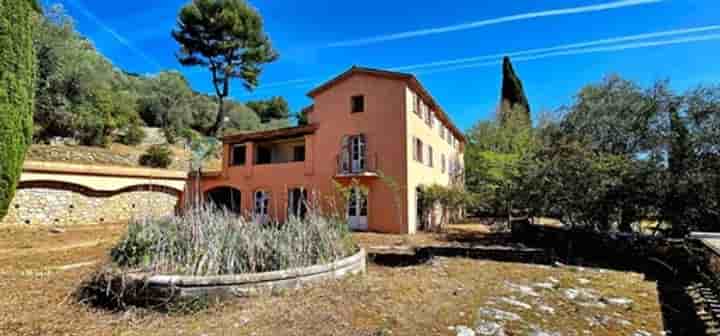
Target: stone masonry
61	207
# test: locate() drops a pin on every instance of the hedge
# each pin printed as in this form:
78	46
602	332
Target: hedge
17	77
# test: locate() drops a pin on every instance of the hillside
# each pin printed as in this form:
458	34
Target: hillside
80	94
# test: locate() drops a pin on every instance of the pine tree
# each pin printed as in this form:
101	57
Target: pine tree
513	100
227	37
17	77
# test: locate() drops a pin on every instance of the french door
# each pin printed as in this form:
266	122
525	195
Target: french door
262	202
357	210
357	153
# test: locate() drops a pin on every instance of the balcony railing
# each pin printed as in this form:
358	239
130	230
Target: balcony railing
367	166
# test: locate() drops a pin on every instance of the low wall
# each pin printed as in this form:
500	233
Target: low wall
163	289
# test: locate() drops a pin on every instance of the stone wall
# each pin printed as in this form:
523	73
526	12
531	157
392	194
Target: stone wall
38	206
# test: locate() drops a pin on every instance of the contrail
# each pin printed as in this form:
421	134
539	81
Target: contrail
560	47
620	47
581	51
489	22
125	42
493	59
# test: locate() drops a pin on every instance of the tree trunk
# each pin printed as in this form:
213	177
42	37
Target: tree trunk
219	119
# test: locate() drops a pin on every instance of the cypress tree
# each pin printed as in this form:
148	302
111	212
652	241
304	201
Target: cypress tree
513	99
17	78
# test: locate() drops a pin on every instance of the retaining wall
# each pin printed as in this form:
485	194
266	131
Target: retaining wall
51	193
40	206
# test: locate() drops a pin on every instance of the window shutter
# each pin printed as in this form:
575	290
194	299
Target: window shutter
414	149
363	154
345	154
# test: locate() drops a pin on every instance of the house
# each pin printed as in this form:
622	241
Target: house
377	132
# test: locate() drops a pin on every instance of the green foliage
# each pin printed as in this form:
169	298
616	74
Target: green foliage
623	155
157	156
449	199
166	102
80	94
132	135
303	118
514	104
227	37
271	109
614	116
494	158
17	72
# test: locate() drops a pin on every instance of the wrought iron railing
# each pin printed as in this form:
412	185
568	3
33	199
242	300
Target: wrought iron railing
345	165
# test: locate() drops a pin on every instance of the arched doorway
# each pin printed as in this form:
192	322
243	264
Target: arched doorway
225	198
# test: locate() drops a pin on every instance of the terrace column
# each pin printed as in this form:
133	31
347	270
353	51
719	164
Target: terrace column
249	158
309	151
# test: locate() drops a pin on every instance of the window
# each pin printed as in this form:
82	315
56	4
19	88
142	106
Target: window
426	113
264	155
353	156
357	204
238	155
262	202
418	150
297	202
357	104
442	131
430	157
416	104
299	153
443	163
431	118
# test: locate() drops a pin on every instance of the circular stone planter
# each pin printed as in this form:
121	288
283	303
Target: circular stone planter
158	288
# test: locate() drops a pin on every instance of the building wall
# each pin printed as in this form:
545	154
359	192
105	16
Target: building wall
382	122
420	173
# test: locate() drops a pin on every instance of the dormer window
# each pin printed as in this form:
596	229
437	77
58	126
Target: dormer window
357	104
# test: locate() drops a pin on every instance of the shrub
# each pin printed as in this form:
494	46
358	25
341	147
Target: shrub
208	241
133	135
17	71
157	156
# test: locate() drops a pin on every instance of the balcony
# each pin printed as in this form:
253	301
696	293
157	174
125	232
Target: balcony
364	165
280	151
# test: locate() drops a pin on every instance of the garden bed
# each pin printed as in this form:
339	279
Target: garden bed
160	289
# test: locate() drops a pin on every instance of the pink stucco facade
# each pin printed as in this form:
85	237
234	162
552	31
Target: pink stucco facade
274	161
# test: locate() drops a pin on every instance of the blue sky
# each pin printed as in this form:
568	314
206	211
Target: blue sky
580	41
